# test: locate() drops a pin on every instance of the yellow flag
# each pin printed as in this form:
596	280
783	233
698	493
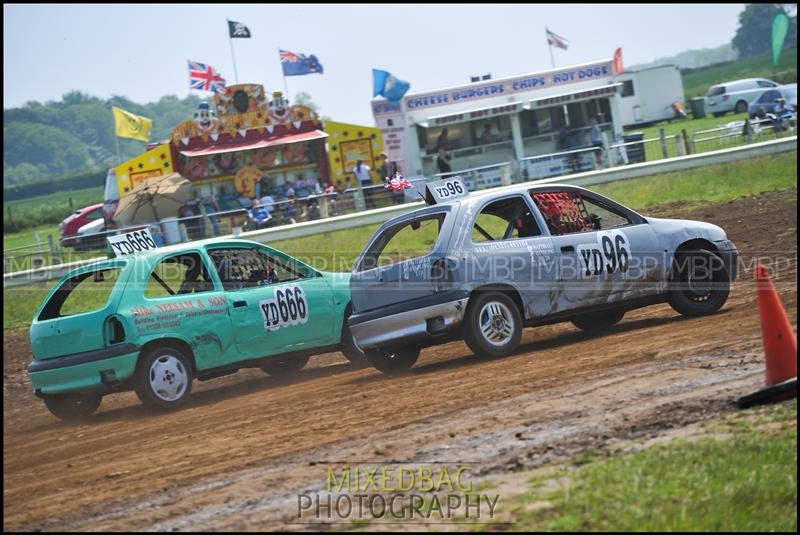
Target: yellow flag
130	125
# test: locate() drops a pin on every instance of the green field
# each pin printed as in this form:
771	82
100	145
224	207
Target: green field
336	251
46	212
739	475
696	84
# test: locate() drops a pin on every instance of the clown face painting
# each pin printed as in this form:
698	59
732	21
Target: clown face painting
195	167
279	110
205	118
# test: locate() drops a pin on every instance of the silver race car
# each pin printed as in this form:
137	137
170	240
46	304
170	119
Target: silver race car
483	266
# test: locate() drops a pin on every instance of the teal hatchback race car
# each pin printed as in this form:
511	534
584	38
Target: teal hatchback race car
155	320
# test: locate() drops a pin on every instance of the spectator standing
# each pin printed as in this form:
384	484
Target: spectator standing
596	136
443	162
263	185
288	208
211	206
442	141
361	171
259	215
194	224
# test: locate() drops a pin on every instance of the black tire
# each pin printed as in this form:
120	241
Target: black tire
284	368
699	284
394	361
493	325
598	321
350	348
718	113
163	378
740	107
73	407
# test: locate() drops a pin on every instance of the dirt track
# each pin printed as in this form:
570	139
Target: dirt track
247	444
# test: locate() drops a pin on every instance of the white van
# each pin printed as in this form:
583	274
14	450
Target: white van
735	96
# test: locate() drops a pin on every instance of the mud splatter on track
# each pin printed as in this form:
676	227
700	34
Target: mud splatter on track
247	444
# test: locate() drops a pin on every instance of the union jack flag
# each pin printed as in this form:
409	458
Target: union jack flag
204	77
398	183
556	40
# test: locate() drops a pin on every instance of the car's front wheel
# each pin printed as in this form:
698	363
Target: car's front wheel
72	407
283	368
493	325
394	361
741	107
598	321
163	378
699	284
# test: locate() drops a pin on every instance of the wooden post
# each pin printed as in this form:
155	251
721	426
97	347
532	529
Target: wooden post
679	144
663	138
55	257
70	202
10	219
686	141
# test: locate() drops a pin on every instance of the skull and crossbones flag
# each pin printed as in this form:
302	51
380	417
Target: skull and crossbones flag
237	29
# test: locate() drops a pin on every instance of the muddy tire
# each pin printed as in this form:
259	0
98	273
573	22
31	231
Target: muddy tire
598	321
699	284
493	325
73	407
284	368
350	348
163	378
392	362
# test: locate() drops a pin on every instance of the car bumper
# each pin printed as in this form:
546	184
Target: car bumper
90	371
418	320
730	257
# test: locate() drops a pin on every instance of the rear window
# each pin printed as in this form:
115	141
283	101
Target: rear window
716	90
80	294
404	241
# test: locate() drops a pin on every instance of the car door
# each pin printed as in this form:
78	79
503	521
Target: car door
397	264
508	246
277	305
605	252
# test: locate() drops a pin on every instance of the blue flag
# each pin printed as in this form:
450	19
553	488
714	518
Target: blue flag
295	64
386	85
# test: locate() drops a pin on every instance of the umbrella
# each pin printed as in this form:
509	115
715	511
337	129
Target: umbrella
152	199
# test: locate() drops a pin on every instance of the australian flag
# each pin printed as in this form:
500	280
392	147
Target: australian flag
203	76
295	64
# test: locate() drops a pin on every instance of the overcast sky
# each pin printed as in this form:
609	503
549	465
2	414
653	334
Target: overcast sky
140	51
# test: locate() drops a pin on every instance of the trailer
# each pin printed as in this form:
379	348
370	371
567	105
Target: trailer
648	94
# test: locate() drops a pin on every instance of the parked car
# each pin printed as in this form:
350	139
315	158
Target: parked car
155	320
68	228
483	266
90	236
769	99
735	96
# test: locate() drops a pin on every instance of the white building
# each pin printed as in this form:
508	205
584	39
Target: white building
507	121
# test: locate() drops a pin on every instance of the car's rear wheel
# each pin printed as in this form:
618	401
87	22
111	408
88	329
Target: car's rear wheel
741	107
350	348
598	321
163	378
699	284
285	367
72	407
493	325
392	361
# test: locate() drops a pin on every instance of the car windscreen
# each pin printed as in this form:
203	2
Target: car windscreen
713	91
409	239
80	294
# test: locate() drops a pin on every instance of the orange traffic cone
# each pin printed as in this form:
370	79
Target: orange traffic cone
780	345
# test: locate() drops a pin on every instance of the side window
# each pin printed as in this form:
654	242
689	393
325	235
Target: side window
404	241
240	268
178	275
627	88
568	212
94	214
80	294
762	83
506	219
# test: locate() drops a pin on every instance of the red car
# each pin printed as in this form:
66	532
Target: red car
68	228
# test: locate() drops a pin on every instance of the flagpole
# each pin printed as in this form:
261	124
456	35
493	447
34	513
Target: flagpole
286	87
230	40
116	142
550	47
